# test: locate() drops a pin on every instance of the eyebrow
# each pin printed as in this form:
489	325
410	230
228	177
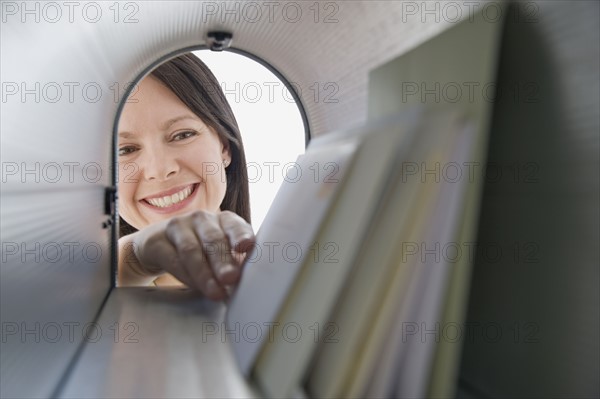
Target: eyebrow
172	121
164	126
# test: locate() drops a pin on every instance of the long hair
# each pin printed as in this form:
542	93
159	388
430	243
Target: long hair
196	86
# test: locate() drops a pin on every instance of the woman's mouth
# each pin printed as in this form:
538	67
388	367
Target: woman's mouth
171	201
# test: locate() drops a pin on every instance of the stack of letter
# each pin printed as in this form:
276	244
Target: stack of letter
350	300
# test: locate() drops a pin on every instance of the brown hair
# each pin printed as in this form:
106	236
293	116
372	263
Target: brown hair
196	86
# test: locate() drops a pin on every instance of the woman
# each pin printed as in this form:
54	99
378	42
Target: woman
183	186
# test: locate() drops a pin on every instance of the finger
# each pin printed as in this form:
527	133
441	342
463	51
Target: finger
216	247
215	291
191	261
158	251
152	248
239	233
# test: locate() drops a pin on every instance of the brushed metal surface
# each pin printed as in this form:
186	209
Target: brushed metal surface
159	343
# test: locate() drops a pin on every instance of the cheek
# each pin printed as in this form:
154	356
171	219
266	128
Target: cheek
209	166
124	197
203	162
129	173
126	191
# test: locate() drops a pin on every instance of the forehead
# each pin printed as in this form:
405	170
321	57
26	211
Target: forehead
151	106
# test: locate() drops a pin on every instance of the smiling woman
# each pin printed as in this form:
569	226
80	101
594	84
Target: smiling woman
183	200
180	161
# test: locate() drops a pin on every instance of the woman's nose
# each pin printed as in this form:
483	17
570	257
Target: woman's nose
159	164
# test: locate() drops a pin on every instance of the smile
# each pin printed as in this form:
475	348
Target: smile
172	199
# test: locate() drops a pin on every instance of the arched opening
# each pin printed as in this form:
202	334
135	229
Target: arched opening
271	118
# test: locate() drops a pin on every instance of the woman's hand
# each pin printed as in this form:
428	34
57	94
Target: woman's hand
202	250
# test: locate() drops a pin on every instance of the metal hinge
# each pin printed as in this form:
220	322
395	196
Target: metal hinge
218	41
110	198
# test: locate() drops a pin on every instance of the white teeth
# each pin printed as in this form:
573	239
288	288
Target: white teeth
171	199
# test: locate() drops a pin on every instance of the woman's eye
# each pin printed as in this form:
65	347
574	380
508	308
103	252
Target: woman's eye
126	150
183	135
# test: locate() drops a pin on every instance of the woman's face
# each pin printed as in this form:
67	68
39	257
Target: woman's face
170	162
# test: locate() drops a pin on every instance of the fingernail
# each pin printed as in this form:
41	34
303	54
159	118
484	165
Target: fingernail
225	270
244	243
211	285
